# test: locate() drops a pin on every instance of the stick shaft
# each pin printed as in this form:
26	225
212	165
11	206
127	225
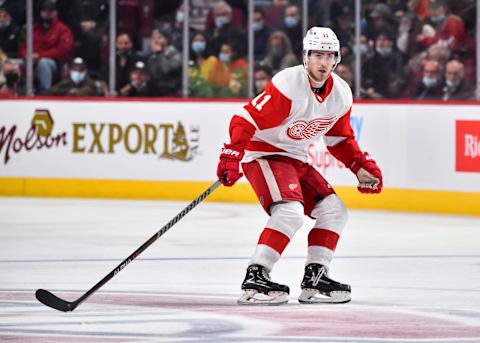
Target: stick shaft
145	245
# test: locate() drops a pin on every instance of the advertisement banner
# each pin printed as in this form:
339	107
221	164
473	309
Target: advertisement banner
468	146
423	147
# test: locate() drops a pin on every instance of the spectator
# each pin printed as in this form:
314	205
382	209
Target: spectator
88	46
293	28
410	26
280	54
126	58
442	27
275	13
262	32
77	83
52	45
262	76
430	87
236	16
383	74
229	74
164	65
346	73
12	85
381	20
456	88
224	31
201	67
140	84
137	18
9	34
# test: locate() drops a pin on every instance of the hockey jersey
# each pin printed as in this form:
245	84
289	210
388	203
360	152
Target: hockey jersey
289	115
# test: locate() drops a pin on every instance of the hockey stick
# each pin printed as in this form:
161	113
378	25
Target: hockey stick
51	300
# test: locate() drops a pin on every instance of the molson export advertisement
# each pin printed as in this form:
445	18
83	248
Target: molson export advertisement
145	141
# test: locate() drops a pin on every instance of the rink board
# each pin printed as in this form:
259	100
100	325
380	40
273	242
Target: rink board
429	153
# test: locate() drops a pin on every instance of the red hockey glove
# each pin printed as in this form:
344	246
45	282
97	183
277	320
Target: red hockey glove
368	174
228	170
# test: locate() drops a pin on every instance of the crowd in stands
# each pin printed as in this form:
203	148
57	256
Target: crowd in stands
410	49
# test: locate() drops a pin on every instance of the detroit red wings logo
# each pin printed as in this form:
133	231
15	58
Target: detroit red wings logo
306	130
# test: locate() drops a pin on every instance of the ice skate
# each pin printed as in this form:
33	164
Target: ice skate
318	288
258	289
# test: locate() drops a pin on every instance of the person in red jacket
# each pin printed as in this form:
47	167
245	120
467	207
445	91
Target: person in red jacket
448	29
52	45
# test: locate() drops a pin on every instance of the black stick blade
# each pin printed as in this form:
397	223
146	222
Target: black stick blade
51	300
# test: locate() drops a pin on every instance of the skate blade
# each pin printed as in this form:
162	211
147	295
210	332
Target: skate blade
253	297
313	296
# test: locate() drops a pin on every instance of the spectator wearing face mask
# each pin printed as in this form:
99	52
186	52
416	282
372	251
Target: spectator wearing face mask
77	83
12	86
224	31
140	84
292	26
9	34
262	32
384	73
430	87
52	45
442	27
201	66
455	87
229	74
280	54
262	76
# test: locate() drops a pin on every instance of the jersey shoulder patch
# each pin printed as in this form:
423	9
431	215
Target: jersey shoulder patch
292	82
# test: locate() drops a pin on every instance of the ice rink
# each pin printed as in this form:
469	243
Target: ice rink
414	277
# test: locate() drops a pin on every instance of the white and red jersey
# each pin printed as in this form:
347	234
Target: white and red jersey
288	115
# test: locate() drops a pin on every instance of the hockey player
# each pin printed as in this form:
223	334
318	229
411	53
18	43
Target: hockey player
270	136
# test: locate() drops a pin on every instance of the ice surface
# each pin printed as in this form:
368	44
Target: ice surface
414	277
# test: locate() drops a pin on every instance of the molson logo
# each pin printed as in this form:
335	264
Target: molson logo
39	136
165	140
468	145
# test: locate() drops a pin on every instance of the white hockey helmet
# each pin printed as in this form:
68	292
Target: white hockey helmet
322	39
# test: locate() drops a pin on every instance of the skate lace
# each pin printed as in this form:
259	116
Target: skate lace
265	275
316	277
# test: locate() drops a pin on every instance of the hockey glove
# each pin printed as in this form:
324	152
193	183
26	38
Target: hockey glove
369	176
228	170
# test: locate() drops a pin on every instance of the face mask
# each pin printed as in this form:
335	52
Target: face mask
46	21
198	46
221	20
257	26
429	81
437	18
260	84
362	49
277	51
224	58
4	24
384	51
179	16
11	79
77	76
452	84
291	21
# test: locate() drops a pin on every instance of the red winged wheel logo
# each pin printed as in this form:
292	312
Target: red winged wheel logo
301	129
